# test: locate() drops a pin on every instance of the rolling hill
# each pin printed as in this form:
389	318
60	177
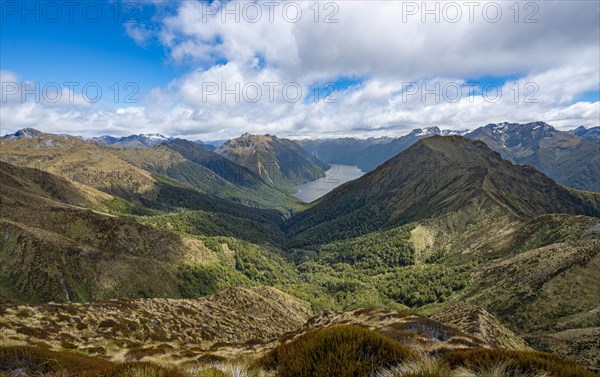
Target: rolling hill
549	295
78	161
60	242
232	322
242	332
54	248
280	162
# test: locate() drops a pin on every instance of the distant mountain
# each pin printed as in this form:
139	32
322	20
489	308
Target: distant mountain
30	133
569	160
212	144
563	156
143	191
213	161
133	141
339	151
281	162
190	163
74	159
208	146
591	134
436	176
25	133
373	156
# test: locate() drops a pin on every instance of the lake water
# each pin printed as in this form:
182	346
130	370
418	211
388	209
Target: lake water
334	177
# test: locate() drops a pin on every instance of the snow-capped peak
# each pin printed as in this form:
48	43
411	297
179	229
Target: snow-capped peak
454	132
154	136
25	133
429	131
500	127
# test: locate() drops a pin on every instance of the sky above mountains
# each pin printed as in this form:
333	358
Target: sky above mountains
298	69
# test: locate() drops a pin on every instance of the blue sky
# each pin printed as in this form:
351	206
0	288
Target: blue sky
81	50
171	50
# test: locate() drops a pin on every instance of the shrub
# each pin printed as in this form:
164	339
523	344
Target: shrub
202	280
36	360
139	353
336	351
227	369
135	370
517	362
210	358
212	372
23	313
424	367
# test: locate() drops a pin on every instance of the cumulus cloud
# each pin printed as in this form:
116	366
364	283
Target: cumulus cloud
140	34
390	38
544	55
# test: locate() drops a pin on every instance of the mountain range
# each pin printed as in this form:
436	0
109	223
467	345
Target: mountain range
569	160
590	134
133	141
191	164
462	247
563	156
144	141
433	177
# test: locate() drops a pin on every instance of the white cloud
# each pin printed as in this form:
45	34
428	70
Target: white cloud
140	34
370	38
558	54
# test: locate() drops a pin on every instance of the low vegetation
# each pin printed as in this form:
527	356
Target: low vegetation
41	361
357	351
342	351
517	363
338	351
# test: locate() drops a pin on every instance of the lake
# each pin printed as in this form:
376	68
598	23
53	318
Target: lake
334	177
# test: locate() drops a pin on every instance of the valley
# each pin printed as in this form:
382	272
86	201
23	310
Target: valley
447	254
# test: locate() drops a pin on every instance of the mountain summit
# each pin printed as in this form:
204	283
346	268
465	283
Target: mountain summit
436	176
373	156
566	158
281	162
134	141
590	134
25	133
